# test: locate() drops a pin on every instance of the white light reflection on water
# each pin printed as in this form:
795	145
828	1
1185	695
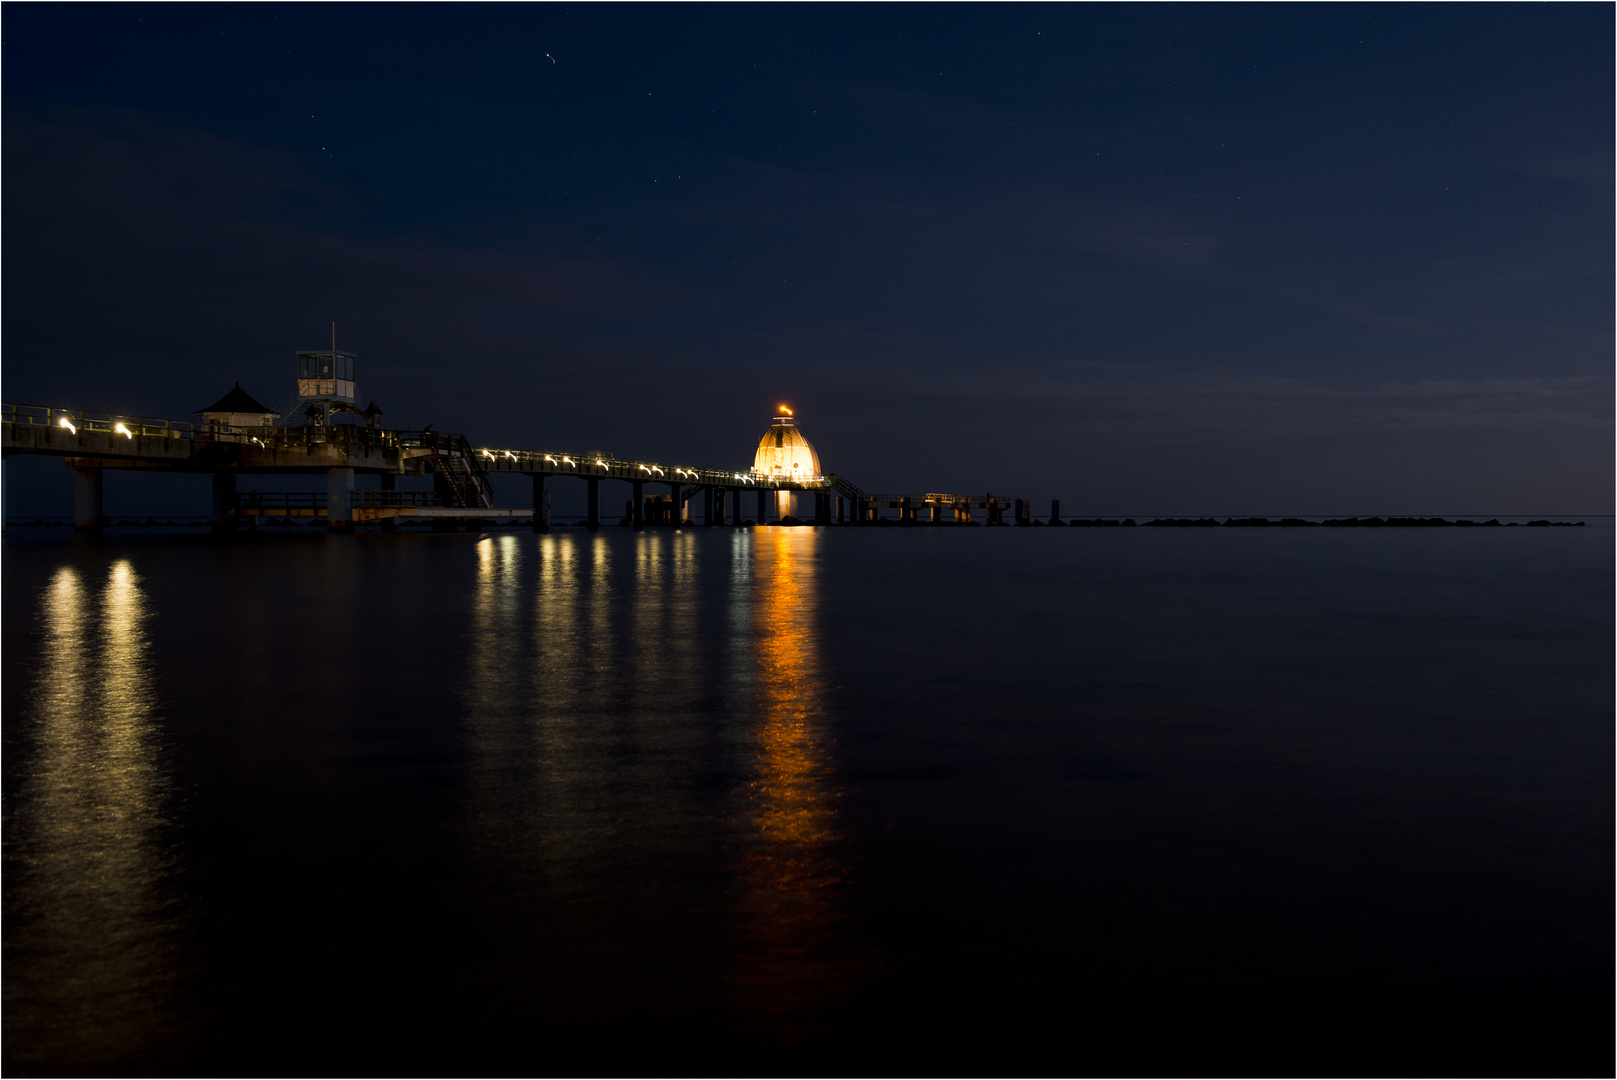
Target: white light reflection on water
91	927
578	801
653	791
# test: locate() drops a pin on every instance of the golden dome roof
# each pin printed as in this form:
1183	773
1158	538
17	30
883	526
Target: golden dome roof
784	452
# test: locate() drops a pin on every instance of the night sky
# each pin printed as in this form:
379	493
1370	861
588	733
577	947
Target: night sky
1145	259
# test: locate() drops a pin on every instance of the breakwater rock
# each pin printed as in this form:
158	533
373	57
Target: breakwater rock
1337	523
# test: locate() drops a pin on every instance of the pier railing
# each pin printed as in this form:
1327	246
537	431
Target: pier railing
280	502
316	500
149	427
933	498
112	423
372	497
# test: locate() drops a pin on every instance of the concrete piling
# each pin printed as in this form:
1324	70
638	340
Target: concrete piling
224	502
541	504
87	490
339	499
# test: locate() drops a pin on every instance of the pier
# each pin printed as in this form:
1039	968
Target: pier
320	431
659	492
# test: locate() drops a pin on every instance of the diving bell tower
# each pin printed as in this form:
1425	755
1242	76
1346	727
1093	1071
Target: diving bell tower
784	454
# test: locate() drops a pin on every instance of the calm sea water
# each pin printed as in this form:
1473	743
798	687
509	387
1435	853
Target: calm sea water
1011	800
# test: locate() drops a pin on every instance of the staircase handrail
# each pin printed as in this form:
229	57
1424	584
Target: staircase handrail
846	486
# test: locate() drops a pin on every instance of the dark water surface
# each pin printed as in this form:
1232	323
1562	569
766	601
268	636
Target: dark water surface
935	800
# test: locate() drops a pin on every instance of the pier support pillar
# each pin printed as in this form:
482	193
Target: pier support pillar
339	500
637	507
224	502
679	504
541	504
822	508
707	506
390	482
1055	512
593	516
906	516
87	500
839	510
763	501
734	496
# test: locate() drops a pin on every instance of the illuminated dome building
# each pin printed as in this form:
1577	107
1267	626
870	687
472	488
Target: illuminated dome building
784	453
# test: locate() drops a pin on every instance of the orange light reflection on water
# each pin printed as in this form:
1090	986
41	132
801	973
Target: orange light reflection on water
792	875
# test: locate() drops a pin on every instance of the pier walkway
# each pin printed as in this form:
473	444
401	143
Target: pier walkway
92	442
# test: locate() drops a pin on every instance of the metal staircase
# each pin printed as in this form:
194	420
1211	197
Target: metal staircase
459	480
847	487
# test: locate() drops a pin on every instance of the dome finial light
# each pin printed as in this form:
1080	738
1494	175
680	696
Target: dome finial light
785	411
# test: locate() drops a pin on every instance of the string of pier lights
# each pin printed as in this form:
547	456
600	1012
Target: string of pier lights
693	475
118	428
690	474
